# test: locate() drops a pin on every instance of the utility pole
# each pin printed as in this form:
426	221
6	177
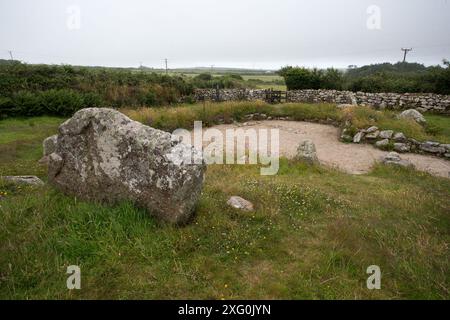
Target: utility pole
10	54
406	50
165	60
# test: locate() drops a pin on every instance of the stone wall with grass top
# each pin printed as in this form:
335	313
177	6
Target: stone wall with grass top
423	102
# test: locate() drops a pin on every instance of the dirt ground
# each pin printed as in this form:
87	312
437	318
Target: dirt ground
348	157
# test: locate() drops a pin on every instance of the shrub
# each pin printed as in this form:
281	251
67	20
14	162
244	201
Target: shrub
385	77
25	84
61	102
299	78
204	77
92	100
302	78
27	104
150	99
6	107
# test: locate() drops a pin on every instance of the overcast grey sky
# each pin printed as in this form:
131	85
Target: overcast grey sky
239	33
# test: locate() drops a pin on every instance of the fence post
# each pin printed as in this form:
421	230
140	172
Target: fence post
217	93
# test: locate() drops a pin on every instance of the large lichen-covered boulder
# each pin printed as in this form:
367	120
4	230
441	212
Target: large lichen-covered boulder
103	155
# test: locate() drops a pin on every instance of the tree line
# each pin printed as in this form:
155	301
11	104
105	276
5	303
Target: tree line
401	77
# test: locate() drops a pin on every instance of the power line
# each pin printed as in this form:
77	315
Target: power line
406	50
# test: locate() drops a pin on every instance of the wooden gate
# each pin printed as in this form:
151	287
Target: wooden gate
275	96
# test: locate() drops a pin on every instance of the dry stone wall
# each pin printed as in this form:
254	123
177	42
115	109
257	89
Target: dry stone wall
424	102
229	94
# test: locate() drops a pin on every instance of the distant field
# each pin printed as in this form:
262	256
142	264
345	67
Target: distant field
268	78
271	81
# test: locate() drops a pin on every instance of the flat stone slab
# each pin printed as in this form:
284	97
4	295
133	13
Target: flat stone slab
30	180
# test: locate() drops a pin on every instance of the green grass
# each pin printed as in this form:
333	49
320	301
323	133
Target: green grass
438	125
312	236
21	144
25	129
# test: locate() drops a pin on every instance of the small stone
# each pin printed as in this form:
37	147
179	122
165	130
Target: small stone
382	143
346	138
49	145
414	141
402	147
393	158
358	137
413	115
386	134
31	180
371	129
432	147
405	163
306	151
399	136
373	135
240	203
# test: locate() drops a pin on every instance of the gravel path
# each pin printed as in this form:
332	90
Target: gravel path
349	157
